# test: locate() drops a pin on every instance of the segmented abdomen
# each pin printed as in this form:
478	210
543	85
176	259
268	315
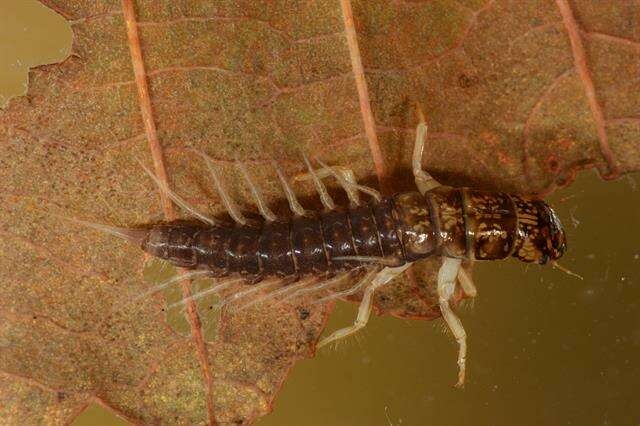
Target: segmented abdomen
454	222
301	245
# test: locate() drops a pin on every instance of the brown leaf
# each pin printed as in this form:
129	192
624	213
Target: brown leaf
518	95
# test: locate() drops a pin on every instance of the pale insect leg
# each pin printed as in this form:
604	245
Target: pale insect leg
325	198
424	181
176	198
227	201
346	179
266	213
364	310
466	282
446	288
294	204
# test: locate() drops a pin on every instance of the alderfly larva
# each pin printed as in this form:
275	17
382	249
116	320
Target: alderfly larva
384	237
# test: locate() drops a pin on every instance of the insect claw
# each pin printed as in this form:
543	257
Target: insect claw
446	287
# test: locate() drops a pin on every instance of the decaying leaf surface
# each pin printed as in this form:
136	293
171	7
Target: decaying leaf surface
518	97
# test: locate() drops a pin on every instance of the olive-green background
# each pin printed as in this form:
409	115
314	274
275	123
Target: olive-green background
544	347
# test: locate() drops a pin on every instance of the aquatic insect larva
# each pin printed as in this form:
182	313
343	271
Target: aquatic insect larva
384	237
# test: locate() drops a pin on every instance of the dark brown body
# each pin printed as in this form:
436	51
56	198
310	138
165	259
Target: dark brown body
453	222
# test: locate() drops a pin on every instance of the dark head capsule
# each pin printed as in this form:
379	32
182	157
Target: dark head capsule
540	236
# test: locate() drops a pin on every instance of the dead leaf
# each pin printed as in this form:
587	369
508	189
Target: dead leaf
518	95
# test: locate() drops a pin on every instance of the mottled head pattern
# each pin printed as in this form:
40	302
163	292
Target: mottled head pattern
540	236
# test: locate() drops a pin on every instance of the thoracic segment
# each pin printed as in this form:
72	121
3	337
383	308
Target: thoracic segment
457	222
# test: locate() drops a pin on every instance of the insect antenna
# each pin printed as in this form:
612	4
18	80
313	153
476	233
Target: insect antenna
566	270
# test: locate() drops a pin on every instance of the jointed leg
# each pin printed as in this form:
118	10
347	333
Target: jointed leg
446	288
364	311
466	283
424	181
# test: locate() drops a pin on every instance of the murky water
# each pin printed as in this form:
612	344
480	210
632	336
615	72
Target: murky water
544	347
30	35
